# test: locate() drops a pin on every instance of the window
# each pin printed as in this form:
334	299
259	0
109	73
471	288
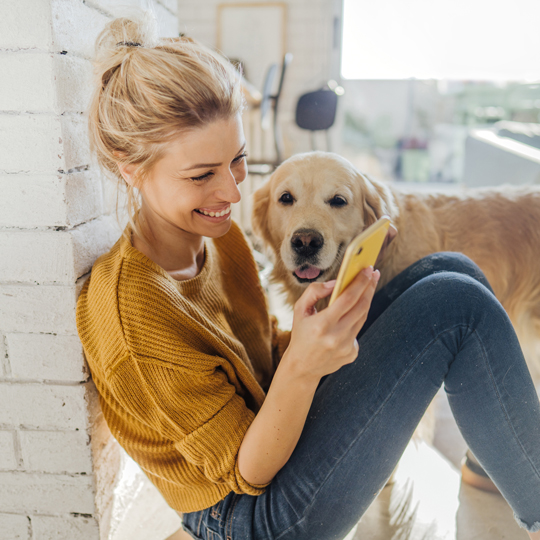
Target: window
441	39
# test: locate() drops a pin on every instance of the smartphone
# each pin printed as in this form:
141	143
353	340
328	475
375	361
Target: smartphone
361	253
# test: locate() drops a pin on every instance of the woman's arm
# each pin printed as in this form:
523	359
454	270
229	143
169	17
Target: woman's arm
320	344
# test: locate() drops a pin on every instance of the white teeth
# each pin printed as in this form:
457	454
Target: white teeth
215	214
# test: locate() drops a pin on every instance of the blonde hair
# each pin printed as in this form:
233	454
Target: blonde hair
147	91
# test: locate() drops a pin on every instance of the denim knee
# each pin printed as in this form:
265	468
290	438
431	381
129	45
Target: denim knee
455	295
450	261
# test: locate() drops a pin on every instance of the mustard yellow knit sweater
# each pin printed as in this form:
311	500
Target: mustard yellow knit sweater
181	367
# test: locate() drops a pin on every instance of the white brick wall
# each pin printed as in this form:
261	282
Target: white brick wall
8	458
56	218
32	493
47	357
39	143
64	528
25	24
70	199
56	451
15	527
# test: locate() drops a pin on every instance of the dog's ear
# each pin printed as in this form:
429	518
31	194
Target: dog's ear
376	200
259	212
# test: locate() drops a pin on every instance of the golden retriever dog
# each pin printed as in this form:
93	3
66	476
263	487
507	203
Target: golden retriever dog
314	204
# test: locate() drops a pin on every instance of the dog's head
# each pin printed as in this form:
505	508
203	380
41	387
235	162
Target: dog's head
308	212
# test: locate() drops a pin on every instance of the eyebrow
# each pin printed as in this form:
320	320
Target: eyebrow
209	165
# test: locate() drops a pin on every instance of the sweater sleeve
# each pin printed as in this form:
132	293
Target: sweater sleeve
200	412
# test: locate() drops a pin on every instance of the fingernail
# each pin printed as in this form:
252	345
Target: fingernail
368	271
329	284
375	276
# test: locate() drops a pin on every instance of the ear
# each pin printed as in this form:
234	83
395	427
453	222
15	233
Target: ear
376	200
128	172
259	213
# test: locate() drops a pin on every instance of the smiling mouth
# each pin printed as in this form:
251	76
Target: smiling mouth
214	214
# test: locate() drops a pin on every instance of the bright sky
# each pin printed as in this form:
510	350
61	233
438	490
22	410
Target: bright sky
441	39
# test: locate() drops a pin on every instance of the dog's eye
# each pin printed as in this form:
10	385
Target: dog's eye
337	201
286	198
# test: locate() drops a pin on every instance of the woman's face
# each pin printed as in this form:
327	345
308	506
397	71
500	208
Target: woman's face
191	188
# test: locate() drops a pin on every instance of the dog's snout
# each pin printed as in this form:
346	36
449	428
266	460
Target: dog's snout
307	242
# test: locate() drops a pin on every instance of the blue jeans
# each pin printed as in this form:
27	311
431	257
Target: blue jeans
436	322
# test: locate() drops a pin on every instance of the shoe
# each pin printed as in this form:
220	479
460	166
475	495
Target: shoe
473	475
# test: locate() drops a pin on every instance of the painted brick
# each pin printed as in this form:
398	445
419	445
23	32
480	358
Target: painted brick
91	240
46	357
44	82
43	406
84	197
33	143
37	257
55	257
25	24
76	26
64	528
38	308
4	370
23	201
27	82
8	458
56	451
61	200
46	493
76	145
14	527
73	83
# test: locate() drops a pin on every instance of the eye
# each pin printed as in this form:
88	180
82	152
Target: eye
337	201
203	177
239	158
286	198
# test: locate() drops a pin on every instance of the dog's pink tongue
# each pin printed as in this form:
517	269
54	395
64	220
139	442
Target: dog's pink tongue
310	272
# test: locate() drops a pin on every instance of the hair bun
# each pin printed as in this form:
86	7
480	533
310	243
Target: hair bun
138	29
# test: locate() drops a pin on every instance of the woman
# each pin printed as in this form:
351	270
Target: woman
250	432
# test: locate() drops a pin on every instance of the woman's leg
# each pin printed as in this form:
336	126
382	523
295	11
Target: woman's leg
449	261
445	261
446	327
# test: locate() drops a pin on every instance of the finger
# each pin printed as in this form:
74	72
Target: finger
356	317
305	305
350	296
363	307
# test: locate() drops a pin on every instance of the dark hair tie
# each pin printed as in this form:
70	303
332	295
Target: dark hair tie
128	44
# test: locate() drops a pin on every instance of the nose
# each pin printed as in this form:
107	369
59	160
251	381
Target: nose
307	242
229	189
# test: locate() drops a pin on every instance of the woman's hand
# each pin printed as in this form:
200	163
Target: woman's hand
320	344
323	342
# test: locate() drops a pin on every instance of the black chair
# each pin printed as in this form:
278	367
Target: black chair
270	103
316	111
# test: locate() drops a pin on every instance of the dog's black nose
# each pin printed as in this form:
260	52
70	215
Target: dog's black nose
307	242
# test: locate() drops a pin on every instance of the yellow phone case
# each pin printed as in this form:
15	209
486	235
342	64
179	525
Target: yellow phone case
361	253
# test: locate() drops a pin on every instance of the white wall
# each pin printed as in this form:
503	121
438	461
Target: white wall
55	219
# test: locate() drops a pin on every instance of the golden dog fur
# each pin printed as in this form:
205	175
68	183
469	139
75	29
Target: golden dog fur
497	228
